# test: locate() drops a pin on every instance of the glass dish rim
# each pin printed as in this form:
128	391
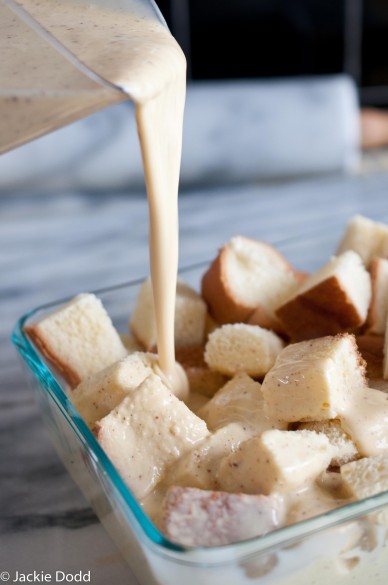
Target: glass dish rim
284	536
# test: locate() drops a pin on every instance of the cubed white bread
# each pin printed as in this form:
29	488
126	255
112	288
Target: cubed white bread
334	299
147	433
367	477
378	309
248	275
96	396
130	343
239	347
366	237
79	338
190	317
201	378
276	461
344	449
199	467
314	380
365	420
240	400
194	517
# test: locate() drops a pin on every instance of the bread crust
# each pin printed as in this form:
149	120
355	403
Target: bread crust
70	375
223	305
325	309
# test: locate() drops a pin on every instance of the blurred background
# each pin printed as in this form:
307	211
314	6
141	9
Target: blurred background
277	89
297	38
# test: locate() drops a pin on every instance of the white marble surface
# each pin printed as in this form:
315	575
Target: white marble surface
51	246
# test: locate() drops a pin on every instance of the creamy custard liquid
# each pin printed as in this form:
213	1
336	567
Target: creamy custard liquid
126	45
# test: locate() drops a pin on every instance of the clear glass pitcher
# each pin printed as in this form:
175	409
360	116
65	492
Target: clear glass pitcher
61	60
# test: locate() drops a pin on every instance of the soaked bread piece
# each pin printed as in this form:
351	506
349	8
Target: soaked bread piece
276	461
147	432
96	396
344	450
241	401
314	380
367	477
194	517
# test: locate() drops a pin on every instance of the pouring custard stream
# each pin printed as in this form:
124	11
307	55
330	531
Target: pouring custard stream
126	45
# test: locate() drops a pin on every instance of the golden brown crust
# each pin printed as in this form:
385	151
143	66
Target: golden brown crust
322	310
220	299
70	375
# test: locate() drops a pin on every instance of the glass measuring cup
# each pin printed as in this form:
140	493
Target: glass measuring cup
61	60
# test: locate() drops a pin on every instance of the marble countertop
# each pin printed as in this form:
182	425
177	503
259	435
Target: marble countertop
52	246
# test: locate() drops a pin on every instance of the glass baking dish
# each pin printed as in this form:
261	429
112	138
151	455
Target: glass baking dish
345	545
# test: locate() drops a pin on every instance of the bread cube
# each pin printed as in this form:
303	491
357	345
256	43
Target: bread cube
199	467
78	338
239	347
332	300
314	380
276	461
344	449
365	420
248	275
366	237
378	309
194	517
201	378
190	317
147	432
240	400
96	396
367	477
